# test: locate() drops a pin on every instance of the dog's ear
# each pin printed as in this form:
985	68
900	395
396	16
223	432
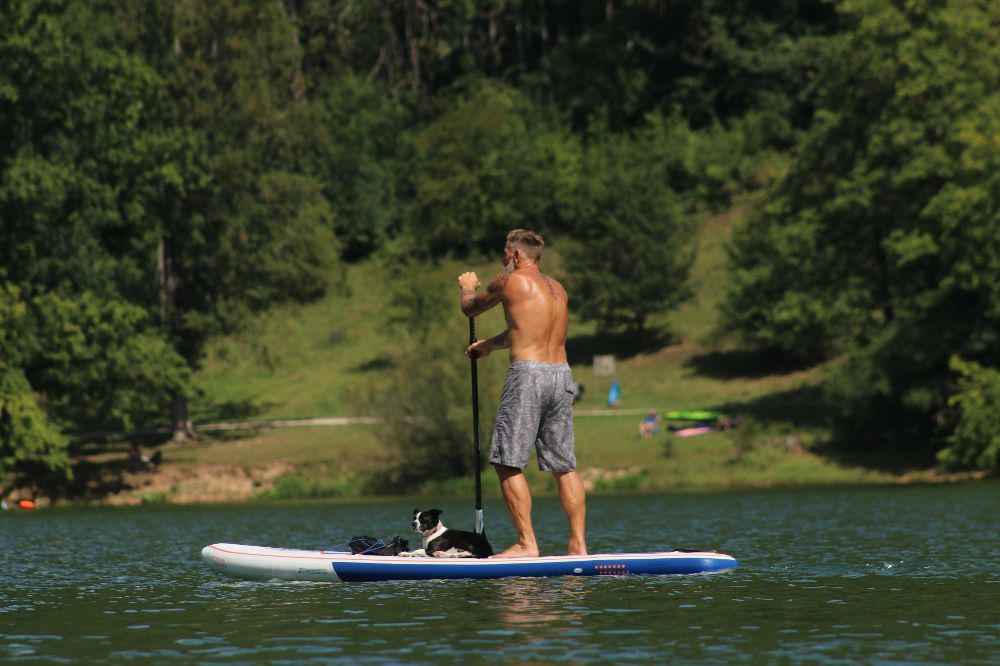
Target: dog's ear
415	512
435	512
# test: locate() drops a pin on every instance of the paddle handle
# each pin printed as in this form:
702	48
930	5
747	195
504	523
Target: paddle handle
475	429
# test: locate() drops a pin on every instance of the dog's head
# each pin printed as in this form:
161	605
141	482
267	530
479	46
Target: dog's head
425	521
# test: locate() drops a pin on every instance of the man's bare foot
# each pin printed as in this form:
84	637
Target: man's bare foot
517	550
576	548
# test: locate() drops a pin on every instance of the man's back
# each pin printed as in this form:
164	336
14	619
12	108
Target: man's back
537	314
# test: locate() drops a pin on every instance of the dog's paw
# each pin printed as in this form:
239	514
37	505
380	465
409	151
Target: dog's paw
413	553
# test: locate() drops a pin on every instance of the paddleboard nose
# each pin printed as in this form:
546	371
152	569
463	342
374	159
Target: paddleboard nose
213	558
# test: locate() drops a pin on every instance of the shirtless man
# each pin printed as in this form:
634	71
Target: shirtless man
536	407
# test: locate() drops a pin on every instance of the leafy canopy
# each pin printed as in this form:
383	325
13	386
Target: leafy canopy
883	240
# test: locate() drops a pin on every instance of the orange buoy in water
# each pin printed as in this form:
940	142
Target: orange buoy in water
27	504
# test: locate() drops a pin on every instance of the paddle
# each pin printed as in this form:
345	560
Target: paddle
475	429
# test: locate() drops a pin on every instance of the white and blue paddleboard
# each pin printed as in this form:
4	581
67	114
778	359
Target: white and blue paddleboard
260	562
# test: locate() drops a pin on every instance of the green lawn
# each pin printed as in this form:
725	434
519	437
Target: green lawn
312	360
347	447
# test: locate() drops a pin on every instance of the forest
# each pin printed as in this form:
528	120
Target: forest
170	169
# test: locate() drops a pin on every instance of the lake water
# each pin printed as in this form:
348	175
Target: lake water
907	575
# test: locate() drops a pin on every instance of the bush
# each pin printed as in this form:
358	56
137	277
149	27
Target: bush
31	449
425	397
975	442
99	362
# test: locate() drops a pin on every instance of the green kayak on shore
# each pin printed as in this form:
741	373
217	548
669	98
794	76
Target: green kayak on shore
692	415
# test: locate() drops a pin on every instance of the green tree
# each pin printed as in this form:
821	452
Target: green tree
358	142
239	226
75	243
147	163
608	62
31	448
424	399
975	441
100	362
488	165
883	240
630	212
72	152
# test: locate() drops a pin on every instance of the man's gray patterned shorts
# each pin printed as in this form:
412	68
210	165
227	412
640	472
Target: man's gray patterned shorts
536	410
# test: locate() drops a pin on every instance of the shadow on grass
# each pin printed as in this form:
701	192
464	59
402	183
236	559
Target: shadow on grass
804	407
231	410
807	408
374	364
98	479
743	364
581	349
95	445
891	458
236	434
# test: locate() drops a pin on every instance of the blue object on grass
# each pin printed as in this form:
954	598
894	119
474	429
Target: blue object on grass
614	393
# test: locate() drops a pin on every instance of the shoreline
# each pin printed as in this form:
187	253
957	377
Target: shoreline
216	484
346	458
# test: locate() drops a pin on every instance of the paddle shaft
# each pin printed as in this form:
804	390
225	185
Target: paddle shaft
475	429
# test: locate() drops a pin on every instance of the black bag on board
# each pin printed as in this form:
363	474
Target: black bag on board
366	545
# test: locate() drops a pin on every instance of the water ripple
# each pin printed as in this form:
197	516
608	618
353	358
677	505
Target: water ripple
904	575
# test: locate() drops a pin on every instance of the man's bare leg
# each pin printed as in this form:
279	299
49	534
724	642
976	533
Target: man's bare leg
573	498
517	495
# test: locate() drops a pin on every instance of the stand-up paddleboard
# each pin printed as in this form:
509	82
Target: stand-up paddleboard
260	562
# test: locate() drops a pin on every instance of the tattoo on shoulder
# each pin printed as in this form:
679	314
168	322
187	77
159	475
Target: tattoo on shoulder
496	286
500	281
552	290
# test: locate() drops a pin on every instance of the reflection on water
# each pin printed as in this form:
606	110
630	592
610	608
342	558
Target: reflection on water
898	575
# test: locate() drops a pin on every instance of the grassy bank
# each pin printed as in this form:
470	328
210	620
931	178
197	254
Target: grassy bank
319	360
322	462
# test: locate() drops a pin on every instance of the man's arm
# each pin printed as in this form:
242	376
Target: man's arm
501	340
474	304
481	348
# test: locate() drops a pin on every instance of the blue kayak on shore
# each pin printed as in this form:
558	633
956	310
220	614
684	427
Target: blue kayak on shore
261	562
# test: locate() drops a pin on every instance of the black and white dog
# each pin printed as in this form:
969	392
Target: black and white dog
439	541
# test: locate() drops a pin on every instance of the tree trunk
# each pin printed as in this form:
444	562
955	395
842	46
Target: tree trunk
639	326
180	420
412	45
390	44
543	27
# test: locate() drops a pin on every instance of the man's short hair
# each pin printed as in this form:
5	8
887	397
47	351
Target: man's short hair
528	242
